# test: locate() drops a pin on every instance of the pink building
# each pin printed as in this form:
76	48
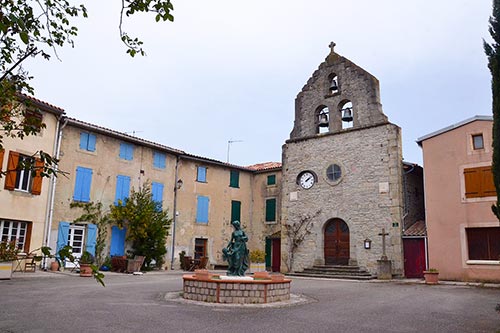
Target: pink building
463	234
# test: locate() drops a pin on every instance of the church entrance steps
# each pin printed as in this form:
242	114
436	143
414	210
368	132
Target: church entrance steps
335	272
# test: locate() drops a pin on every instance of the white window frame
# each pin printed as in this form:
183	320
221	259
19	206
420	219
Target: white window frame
10	233
24	178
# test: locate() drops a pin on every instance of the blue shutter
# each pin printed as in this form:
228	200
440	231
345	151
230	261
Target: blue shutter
91	238
84	138
117	247
62	235
123	150
91	143
157	191
122	188
82	184
202	209
130	152
126	151
202	174
159	160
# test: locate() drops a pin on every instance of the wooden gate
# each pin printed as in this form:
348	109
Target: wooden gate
336	242
414	250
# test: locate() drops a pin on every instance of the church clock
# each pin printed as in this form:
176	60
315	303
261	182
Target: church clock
306	179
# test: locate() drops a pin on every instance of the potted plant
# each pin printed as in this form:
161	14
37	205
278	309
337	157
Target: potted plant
86	261
257	261
431	276
8	253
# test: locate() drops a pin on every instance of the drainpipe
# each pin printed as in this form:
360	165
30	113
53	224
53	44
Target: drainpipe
177	186
50	203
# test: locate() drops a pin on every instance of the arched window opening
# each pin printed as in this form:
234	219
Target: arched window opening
323	120
333	82
347	114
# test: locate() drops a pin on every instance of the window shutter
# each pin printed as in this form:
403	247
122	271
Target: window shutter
62	235
91	142
37	181
202	174
1	159
235	211
487	184
126	151
271	180
84	139
268	252
122	188
91	238
82	184
130	152
472	183
270	210
10	178
117	247
202	209
123	151
234	180
157	191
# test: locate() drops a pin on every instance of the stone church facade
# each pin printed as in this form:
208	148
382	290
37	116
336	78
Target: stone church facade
342	173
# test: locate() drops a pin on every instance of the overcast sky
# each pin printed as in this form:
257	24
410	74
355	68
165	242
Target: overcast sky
230	70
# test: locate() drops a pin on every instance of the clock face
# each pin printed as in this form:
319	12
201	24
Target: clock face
306	180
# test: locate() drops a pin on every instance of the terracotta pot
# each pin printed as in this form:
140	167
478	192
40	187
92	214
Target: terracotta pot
54	266
431	277
85	270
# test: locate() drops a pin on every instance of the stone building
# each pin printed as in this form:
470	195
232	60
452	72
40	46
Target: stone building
342	172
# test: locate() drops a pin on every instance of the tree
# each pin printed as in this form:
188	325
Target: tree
147	225
31	28
493	53
295	233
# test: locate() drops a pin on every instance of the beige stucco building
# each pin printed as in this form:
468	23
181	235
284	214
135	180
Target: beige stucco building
25	197
463	234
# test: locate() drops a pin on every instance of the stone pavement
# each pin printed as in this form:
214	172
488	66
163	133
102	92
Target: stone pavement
64	302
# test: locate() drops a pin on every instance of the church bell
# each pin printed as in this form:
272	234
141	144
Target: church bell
347	114
323	120
333	86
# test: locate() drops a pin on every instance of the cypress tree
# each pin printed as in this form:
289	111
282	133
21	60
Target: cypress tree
493	53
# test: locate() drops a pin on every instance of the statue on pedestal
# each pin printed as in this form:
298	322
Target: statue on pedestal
236	252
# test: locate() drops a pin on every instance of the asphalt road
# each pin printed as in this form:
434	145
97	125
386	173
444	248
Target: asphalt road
48	302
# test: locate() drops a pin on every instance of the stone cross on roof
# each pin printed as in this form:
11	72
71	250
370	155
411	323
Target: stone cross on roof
331	46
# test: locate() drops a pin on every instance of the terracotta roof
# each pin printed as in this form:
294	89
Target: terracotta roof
416	229
264	166
46	106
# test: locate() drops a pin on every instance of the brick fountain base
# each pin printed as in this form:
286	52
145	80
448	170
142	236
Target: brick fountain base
212	288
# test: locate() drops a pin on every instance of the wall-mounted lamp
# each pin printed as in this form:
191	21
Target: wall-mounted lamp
179	184
368	243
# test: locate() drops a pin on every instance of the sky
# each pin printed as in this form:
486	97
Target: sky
229	70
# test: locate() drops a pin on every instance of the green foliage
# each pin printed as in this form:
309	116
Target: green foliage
8	250
257	256
182	254
493	53
147	225
87	258
93	213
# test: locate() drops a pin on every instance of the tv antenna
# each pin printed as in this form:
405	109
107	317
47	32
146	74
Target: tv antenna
229	146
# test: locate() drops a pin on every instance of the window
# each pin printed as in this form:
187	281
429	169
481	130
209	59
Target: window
87	141
477	141
18	231
75	239
202	209
271	180
201	174
271	210
82	184
159	160
235	210
479	182
126	151
234	180
483	243
122	189
33	120
333	172
20	177
200	248
157	191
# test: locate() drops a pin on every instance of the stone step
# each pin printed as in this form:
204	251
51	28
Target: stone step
332	276
338	267
333	272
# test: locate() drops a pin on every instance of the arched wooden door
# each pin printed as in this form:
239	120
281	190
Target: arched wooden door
336	242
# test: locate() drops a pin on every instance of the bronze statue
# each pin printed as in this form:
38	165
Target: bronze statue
236	252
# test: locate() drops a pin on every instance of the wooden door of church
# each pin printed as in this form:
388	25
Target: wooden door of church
336	243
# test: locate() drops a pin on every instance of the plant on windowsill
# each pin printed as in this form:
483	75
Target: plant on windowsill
8	253
257	261
431	276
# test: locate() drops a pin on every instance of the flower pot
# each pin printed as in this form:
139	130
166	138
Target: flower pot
6	270
257	267
54	266
431	277
85	270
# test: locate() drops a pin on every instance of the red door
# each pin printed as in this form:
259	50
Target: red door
336	243
276	255
414	250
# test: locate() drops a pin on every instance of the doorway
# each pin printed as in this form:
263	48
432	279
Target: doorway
336	244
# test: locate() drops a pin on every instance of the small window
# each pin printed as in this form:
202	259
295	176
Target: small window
126	151
201	174
24	173
477	141
202	209
16	231
159	160
334	172
479	182
87	141
271	180
483	243
235	210
234	180
271	210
